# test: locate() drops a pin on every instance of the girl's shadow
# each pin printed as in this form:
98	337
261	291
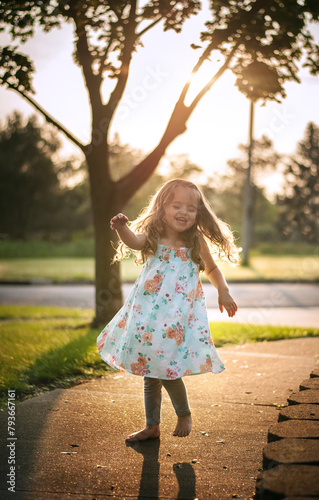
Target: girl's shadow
186	480
149	484
150	471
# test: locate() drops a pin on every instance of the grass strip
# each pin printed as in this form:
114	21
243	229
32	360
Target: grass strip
48	347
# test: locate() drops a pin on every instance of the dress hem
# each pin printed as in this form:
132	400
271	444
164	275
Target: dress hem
118	369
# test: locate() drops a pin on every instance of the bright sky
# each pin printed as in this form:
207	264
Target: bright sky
217	126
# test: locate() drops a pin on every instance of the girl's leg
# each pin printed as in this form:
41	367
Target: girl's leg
152	400
152	403
177	392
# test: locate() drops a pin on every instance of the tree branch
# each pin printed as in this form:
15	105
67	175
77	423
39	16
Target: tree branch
160	18
214	79
150	26
197	66
92	81
126	56
50	119
104	58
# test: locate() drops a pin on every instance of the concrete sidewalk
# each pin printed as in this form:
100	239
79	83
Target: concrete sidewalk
70	443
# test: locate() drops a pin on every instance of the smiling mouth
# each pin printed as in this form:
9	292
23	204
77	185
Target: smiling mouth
181	220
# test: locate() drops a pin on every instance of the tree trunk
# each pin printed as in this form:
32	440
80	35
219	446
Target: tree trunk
108	291
248	203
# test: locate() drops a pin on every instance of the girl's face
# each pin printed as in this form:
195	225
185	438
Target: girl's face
181	211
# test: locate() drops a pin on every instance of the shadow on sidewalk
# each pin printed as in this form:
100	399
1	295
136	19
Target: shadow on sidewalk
28	438
149	485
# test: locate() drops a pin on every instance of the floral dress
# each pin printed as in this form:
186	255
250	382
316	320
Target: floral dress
162	330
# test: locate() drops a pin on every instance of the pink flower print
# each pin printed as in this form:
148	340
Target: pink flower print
137	308
179	288
191	319
113	361
171	374
180	330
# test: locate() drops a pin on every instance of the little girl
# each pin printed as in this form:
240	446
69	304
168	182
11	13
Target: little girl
162	331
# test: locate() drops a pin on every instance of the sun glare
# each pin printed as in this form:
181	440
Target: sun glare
202	77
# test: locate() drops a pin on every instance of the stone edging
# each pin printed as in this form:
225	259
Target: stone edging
291	457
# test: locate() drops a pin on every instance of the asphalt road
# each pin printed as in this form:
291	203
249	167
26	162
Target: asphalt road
293	304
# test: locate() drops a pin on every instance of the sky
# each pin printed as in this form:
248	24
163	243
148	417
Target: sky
218	124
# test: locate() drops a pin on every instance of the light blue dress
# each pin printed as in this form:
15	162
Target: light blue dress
162	331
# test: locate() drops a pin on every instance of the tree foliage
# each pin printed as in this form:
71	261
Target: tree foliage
34	200
227	192
299	204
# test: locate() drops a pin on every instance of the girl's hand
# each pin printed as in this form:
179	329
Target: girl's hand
226	300
118	221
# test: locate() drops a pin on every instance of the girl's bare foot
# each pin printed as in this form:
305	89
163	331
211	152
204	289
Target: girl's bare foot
183	426
150	432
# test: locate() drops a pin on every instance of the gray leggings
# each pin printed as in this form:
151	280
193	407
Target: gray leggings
153	398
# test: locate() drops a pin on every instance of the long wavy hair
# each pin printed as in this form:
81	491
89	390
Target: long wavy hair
151	222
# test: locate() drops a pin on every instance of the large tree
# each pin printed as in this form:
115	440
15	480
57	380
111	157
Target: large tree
106	34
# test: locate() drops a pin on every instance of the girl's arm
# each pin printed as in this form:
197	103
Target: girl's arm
216	277
130	239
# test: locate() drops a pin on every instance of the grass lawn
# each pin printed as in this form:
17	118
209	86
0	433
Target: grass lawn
263	267
46	347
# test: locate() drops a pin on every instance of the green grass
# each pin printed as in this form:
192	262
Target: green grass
262	267
46	347
53	269
78	247
82	245
236	333
73	261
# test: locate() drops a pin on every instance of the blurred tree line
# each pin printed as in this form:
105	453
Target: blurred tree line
46	197
36	198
